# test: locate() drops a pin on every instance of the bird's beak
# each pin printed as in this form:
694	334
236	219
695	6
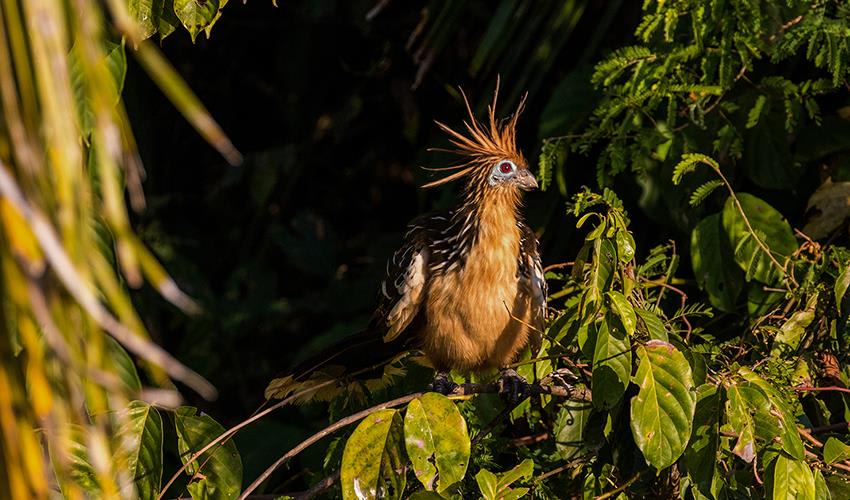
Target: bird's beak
526	180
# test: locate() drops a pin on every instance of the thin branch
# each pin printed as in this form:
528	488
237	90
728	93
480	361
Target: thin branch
323	433
619	489
832	388
842	426
318	488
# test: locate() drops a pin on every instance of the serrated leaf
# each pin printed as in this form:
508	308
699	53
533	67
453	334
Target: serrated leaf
789	479
220	468
771	229
624	310
700	459
436	440
140	438
835	451
662	413
612	362
714	265
373	459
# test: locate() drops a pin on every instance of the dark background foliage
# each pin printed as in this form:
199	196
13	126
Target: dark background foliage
286	252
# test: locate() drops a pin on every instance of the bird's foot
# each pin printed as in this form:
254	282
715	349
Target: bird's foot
512	387
442	384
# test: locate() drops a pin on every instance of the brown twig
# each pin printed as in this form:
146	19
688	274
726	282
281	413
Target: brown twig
831	388
532	439
619	489
554	472
323	433
315	490
842	426
810	438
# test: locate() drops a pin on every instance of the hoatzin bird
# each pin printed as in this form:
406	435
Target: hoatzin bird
466	287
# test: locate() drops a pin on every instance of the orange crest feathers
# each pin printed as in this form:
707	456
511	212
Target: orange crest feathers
485	144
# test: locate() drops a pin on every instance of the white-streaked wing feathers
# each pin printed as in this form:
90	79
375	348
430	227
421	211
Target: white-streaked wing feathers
404	289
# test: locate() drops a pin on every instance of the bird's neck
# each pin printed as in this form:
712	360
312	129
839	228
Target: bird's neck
488	216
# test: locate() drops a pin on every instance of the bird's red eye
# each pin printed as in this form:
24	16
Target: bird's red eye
506	167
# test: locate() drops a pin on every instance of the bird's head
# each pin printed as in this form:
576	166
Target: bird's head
491	159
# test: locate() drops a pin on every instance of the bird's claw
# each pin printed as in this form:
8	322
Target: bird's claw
513	387
442	384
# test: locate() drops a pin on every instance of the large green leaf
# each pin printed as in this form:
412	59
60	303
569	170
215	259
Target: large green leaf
141	439
714	264
768	226
123	365
436	440
373	459
700	459
612	362
739	421
835	451
773	418
651	325
663	410
789	479
791	332
495	487
569	429
219	470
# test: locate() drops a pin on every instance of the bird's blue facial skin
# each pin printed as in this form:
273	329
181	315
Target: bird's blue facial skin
502	172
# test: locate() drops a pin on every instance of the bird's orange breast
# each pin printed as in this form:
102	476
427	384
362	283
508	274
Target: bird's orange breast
476	314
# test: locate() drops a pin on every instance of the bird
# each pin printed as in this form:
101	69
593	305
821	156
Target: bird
466	287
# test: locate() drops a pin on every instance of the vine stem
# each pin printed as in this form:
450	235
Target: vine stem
619	489
752	231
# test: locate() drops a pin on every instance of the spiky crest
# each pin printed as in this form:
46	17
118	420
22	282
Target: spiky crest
484	145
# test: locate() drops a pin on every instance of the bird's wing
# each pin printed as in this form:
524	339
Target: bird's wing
533	281
404	287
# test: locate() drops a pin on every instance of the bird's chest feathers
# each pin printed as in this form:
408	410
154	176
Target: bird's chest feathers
477	298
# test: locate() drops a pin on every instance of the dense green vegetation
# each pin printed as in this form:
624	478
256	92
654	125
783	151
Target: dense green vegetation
693	156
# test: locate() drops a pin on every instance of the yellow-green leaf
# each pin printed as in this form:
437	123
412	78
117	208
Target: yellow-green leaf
436	440
372	462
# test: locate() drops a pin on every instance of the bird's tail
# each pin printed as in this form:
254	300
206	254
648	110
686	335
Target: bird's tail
361	362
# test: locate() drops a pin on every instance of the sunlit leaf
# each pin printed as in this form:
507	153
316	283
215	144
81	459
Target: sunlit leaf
789	479
835	451
569	429
373	459
621	306
662	413
141	439
217	473
436	440
700	459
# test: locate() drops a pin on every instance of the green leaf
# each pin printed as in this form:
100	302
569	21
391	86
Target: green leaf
789	479
770	228
487	483
569	429
689	163
523	470
140	437
219	469
168	21
700	459
835	451
740	421
821	489
436	440
773	418
841	285
651	325
621	306
701	193
196	15
755	112
373	459
115	60
663	410
792	331
714	265
612	362
625	245
146	13
123	365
